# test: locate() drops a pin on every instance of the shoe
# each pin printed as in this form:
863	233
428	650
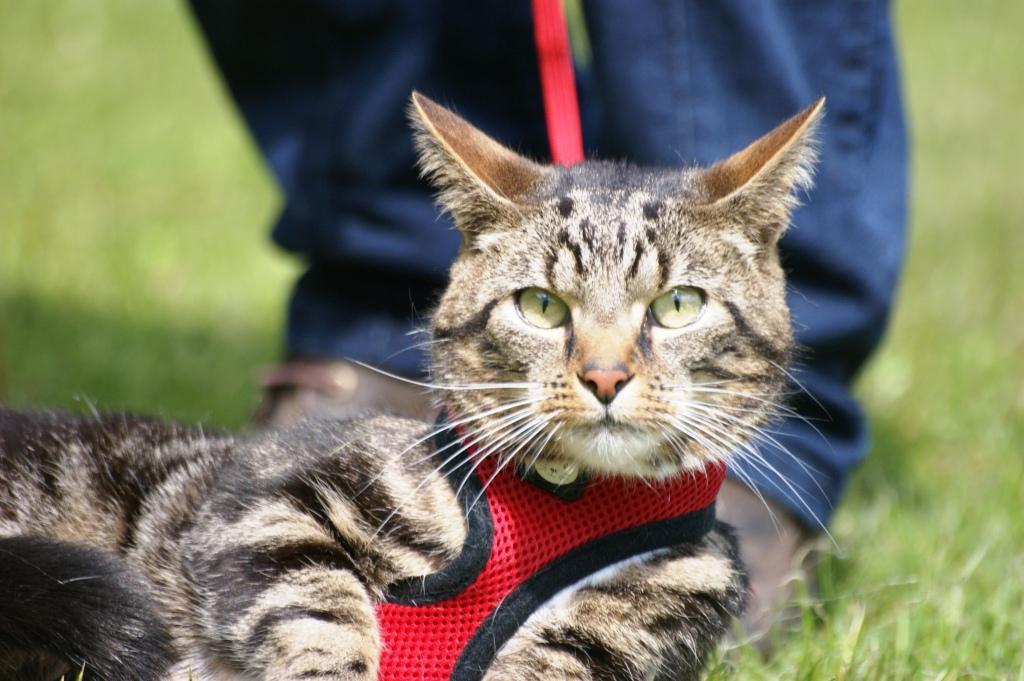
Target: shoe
303	387
776	550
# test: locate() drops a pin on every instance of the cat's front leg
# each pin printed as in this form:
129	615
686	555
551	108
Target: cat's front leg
655	618
279	599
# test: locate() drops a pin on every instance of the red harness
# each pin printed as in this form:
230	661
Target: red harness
524	545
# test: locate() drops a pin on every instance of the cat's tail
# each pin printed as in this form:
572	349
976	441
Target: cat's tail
78	607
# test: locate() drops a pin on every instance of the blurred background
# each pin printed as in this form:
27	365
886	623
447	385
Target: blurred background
136	272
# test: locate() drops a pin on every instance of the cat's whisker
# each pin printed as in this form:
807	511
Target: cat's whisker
750	431
538	429
719	449
439	471
449	425
482	453
428	343
777	407
752	455
453	387
724	381
723	453
490	428
460	420
731	440
471	438
761	398
767	438
761	435
780	410
746	451
712	426
792	494
534	440
540	447
716	413
721	407
704	384
742	450
466	444
738	380
748	481
675	438
469	442
810	471
789	374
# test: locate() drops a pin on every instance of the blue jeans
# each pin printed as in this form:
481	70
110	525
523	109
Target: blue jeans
323	85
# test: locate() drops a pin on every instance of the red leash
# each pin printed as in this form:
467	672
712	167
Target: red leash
557	82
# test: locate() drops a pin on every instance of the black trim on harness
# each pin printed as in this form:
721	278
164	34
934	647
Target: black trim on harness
458	575
565	571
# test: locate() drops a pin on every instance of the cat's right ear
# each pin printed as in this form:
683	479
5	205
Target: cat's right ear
479	180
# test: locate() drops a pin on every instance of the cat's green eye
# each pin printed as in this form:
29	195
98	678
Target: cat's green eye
542	308
677	307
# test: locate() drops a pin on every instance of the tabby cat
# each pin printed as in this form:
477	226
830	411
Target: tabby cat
603	319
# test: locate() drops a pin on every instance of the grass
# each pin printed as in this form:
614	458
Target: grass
135	272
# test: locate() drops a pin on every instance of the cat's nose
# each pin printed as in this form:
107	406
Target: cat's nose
605	383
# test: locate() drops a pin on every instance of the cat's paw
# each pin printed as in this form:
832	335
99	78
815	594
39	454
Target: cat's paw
323	665
323	648
559	667
532	657
577	661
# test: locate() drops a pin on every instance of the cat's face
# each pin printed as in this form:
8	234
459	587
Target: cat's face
625	321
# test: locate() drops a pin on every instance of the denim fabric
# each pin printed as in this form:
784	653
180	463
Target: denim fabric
323	86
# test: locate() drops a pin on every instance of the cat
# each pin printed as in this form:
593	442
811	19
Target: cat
602	321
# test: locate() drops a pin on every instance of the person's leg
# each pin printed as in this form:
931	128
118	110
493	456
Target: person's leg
695	81
324	87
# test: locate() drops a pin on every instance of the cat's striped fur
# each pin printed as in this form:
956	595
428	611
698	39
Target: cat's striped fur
261	557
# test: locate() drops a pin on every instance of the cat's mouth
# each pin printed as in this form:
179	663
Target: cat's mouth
609	447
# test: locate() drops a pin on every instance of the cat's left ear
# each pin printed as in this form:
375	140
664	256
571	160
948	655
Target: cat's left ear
758	185
479	180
